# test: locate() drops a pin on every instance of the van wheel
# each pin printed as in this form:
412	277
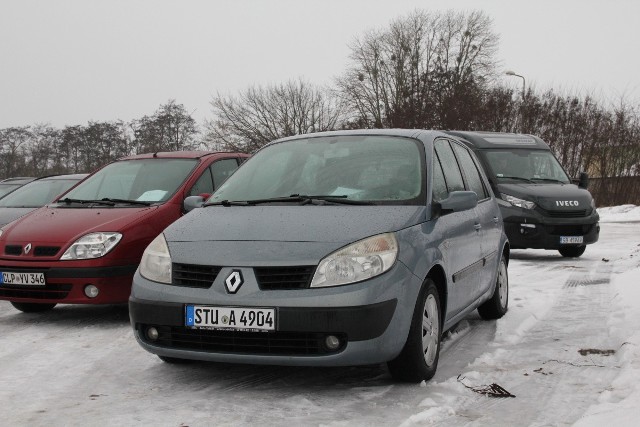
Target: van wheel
498	304
572	251
175	360
30	307
419	357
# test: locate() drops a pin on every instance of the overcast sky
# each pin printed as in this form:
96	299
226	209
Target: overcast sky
68	62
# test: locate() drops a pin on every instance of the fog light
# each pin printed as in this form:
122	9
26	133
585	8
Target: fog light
332	342
152	333
91	291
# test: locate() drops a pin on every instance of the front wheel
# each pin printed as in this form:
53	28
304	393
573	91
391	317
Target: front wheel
419	357
497	305
30	307
572	251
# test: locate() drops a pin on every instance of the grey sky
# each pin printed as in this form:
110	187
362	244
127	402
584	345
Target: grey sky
68	62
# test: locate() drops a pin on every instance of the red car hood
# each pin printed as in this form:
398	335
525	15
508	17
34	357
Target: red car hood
59	226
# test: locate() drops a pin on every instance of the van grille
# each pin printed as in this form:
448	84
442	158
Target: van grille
281	343
13	250
569	230
53	291
194	276
565	214
37	251
281	278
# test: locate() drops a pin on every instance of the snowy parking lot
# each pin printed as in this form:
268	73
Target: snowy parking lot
568	350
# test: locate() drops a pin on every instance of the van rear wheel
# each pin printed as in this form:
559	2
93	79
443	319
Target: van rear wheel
572	251
30	307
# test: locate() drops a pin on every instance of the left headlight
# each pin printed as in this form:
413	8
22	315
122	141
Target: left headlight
94	245
156	261
357	262
526	204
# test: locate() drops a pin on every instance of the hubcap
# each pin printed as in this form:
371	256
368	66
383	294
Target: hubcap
503	284
430	330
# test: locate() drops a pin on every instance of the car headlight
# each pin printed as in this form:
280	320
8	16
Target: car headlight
94	245
518	202
156	261
359	261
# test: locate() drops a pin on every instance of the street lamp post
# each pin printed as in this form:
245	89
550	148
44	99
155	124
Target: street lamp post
511	73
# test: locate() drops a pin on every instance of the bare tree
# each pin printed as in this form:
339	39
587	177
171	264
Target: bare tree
261	114
170	128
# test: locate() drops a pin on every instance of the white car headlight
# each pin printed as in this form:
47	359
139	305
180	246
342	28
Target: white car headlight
518	202
357	262
156	261
94	245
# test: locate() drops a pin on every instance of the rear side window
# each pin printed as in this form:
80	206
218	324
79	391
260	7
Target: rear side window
221	170
452	174
470	171
204	184
439	185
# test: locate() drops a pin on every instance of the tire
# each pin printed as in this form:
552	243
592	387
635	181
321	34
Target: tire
572	251
418	359
498	304
174	360
31	307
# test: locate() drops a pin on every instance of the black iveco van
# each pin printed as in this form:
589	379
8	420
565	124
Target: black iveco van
541	207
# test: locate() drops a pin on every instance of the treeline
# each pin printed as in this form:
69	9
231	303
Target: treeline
426	70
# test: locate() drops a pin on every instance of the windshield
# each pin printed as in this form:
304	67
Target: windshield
380	169
537	166
7	188
144	180
37	193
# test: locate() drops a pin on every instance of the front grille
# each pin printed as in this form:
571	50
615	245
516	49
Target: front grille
280	343
193	276
565	214
569	230
279	278
13	250
52	291
46	250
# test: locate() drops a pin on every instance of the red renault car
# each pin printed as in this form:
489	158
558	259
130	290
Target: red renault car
85	247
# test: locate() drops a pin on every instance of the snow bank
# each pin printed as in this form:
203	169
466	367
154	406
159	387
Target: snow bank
622	213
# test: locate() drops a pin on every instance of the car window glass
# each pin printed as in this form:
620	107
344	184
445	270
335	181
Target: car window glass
204	184
507	165
450	167
470	171
221	170
6	189
37	193
439	185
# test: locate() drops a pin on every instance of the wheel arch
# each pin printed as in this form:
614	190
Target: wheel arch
439	277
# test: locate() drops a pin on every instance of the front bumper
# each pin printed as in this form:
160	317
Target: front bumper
66	285
371	319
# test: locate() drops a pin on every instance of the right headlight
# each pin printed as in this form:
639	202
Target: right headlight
156	261
518	202
357	262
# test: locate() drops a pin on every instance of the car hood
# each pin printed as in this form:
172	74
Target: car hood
556	197
11	214
285	235
62	225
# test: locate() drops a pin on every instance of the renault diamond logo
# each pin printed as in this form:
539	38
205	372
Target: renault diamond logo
27	248
233	281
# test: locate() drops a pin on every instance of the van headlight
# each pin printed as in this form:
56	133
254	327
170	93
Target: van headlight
520	203
156	261
357	262
94	245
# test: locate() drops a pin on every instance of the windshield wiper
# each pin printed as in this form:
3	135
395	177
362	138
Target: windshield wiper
130	202
517	177
341	199
303	199
68	201
227	203
550	180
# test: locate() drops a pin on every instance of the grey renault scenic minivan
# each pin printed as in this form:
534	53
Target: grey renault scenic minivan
336	248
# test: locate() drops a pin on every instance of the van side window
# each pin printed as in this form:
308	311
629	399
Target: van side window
450	167
470	171
221	170
204	184
439	184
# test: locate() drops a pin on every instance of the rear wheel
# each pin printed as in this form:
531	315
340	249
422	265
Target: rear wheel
419	357
498	304
30	307
572	251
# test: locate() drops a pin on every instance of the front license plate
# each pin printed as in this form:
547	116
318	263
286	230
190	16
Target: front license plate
230	318
571	240
29	279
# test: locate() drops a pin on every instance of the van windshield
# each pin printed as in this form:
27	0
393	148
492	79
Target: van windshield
373	169
142	180
537	166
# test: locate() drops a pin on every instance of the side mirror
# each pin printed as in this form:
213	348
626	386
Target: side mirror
459	201
192	202
583	180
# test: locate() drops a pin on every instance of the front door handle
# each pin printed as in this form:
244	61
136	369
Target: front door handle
495	219
477	227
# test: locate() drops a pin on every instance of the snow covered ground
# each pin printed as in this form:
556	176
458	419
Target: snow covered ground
568	349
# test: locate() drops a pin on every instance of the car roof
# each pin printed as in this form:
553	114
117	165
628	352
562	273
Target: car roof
175	155
17	180
482	140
